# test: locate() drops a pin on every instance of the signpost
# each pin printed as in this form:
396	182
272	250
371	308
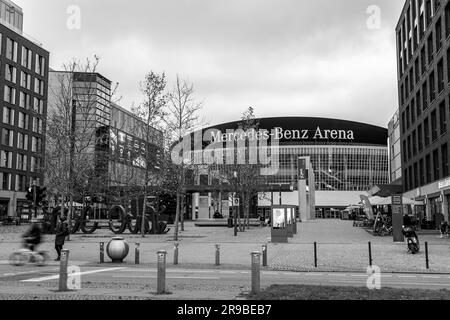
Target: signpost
279	232
302	192
397	218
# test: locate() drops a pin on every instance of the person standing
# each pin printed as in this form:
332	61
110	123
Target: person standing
62	231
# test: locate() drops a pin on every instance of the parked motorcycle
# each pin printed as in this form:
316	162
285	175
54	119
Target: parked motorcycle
412	239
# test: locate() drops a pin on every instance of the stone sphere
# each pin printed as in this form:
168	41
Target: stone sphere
117	249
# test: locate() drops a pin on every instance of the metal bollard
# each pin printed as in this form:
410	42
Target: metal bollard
264	251
427	261
102	252
161	280
370	253
217	254
63	270
315	254
175	253
137	253
256	272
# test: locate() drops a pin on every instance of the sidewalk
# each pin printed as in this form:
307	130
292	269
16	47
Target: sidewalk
341	247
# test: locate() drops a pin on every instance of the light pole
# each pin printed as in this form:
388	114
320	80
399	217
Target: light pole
235	175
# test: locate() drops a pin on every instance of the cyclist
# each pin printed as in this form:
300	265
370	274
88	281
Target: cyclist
32	238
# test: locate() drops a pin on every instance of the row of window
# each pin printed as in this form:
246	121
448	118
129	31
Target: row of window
422	136
27	57
21	181
37	124
7	139
6	158
430	168
431	87
24	100
409	36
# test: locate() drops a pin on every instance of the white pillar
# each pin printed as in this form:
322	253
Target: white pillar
302	200
445	205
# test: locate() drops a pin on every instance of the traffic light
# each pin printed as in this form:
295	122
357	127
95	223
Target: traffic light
40	195
30	196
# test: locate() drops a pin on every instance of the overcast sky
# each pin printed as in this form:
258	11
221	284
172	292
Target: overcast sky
283	57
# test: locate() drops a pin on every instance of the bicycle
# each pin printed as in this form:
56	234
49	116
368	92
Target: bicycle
26	255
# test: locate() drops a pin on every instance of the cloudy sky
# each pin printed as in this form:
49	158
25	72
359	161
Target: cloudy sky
283	57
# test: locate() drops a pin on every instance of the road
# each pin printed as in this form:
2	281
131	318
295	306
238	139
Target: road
214	283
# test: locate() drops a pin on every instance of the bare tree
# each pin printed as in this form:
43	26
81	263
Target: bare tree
71	131
151	111
182	119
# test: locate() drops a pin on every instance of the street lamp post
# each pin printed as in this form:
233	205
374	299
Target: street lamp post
234	210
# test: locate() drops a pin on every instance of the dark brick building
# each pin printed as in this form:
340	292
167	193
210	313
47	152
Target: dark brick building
23	108
423	56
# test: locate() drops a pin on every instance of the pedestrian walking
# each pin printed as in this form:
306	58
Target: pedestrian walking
62	231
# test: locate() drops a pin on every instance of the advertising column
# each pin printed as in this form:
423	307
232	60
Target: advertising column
397	218
312	191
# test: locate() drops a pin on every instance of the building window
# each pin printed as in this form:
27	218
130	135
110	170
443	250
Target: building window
39	86
11	50
447	19
22	141
438	35
37	125
36	145
421	173
436	168
440	72
25	80
24	100
416	176
8	116
5	180
434	128
422	60
21	162
40	65
23	120
413	111
10	95
27	56
419	138
409	147
414	143
428	168
428	12
38	106
5	159
444	155
418	104
430	48
34	165
7	137
442	118
432	87
426	129
10	73
408	119
21	183
424	96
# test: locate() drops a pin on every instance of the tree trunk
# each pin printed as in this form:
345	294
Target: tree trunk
69	220
182	211
177	217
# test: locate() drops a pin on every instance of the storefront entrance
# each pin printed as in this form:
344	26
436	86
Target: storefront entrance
4	207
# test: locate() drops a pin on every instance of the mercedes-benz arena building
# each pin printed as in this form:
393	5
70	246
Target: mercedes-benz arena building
348	159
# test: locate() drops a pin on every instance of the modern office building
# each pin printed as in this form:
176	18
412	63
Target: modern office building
115	137
423	56
348	159
23	90
395	154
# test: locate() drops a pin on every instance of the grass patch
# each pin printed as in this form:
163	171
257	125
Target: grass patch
302	292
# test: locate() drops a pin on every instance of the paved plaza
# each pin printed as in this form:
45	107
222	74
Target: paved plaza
340	247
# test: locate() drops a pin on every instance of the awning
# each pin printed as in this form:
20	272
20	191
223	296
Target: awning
387	190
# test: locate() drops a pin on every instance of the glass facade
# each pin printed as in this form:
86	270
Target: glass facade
336	168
